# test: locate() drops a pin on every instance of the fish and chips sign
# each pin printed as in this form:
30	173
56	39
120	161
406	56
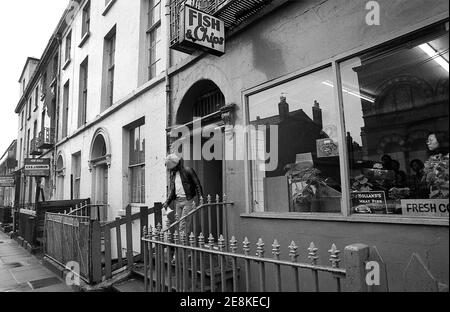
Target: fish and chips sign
37	167
200	31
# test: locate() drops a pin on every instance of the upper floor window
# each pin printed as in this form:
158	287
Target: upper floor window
154	38
82	107
65	112
30	104
68	46
36	98
110	46
43	84
55	67
86	22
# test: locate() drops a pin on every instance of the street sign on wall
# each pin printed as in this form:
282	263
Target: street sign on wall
7	181
37	167
200	31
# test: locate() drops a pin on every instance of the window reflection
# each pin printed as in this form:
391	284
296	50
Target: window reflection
396	113
298	120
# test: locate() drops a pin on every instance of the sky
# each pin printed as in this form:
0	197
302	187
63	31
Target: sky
25	28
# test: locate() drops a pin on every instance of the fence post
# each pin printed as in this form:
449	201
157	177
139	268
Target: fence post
129	237
96	252
158	214
144	225
356	257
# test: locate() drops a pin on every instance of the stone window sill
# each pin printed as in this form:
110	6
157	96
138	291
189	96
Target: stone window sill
352	219
108	7
84	39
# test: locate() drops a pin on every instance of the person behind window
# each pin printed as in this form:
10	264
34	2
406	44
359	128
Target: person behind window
419	189
435	144
400	176
387	162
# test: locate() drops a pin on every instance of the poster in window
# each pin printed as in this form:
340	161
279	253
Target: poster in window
327	148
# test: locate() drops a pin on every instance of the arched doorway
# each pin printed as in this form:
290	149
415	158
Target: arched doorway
204	101
99	164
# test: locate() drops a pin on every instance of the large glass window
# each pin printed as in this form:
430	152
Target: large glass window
296	125
396	104
137	165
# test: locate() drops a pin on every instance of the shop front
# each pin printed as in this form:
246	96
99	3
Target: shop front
341	129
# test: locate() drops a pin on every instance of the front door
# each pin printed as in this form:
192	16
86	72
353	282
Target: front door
101	191
210	174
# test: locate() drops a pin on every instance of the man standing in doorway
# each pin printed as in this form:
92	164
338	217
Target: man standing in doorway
184	189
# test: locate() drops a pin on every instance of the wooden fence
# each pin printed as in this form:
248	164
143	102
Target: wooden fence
67	240
29	220
84	239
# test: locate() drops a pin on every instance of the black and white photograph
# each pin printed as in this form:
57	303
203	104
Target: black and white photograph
224	152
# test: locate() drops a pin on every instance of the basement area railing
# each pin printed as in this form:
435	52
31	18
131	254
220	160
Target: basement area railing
178	263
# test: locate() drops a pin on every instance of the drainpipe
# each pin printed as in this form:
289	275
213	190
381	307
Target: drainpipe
58	39
168	65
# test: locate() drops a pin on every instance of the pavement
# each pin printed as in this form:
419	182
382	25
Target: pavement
22	272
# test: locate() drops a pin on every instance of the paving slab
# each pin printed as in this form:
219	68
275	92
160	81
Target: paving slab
22	272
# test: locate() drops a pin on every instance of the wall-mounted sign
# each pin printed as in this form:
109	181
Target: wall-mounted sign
37	167
426	207
200	31
327	148
369	202
7	181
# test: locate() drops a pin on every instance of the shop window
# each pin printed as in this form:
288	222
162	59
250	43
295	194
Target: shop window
296	123
137	164
396	117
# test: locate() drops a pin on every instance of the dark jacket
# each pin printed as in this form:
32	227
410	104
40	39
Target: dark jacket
191	184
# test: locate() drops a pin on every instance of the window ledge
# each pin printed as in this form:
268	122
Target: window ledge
108	7
66	64
352	219
84	39
53	83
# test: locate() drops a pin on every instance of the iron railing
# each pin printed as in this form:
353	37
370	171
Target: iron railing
46	139
93	212
210	217
34	150
198	264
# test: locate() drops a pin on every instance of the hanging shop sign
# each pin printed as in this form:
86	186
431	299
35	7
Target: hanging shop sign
37	167
426	207
200	31
7	181
369	202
